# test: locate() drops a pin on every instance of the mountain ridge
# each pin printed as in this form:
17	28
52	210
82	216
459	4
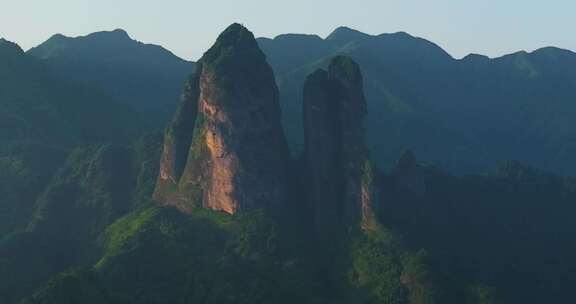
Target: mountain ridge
146	77
415	88
352	34
504	237
117	35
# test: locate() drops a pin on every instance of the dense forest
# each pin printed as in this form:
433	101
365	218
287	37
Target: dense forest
351	169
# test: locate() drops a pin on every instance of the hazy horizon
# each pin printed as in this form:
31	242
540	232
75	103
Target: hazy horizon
350	170
489	28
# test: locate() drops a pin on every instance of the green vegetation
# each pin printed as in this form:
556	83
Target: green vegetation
377	269
483	230
197	154
145	155
37	106
179	134
159	255
385	272
88	193
421	98
220	61
25	169
347	65
77	286
198	146
165	257
77	224
14	182
65	210
146	78
117	234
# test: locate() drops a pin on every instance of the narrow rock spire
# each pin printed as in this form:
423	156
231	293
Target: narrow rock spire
237	156
342	187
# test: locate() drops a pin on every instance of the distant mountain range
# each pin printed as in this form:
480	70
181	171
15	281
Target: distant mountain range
146	77
465	115
43	117
36	105
95	208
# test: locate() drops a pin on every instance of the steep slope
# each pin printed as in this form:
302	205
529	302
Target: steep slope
237	156
95	186
508	232
463	115
41	119
343	191
146	77
89	193
35	105
25	169
335	154
225	150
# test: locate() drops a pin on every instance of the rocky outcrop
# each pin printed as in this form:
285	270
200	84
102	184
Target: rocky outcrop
237	154
341	177
369	196
322	151
352	108
177	141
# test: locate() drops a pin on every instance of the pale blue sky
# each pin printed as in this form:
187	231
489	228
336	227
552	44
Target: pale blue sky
491	27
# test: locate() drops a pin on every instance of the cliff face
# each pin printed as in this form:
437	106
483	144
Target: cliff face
341	176
352	112
322	151
177	140
237	155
